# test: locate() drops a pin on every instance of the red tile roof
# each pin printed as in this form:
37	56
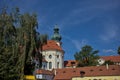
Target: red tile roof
52	45
112	58
69	73
46	72
70	63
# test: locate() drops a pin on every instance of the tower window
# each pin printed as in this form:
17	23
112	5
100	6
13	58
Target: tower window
50	65
43	56
57	64
62	57
44	66
57	56
50	56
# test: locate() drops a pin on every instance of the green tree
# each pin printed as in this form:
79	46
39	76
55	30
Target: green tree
87	56
109	62
20	44
8	58
31	44
118	50
43	40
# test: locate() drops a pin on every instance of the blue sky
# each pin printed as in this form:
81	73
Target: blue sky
81	22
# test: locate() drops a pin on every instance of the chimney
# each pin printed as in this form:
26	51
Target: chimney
55	71
107	66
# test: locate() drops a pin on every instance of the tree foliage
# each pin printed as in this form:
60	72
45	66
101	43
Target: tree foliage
87	56
118	50
19	44
109	62
8	58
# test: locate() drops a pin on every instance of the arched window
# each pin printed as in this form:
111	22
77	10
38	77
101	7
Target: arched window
43	66
43	56
57	64
57	56
50	65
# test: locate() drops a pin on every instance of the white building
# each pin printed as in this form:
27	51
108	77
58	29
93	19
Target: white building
53	53
114	59
44	75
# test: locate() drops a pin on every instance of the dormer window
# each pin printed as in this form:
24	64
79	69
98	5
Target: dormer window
113	68
72	63
64	72
82	73
91	70
100	70
74	71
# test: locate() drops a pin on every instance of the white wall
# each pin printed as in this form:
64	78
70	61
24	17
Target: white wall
43	76
54	59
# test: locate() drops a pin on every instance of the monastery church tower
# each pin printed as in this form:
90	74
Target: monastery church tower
53	54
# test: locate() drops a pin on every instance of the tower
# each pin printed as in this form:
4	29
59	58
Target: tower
53	52
56	36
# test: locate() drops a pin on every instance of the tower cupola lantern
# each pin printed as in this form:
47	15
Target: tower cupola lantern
56	36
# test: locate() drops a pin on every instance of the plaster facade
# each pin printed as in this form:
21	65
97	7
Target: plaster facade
55	59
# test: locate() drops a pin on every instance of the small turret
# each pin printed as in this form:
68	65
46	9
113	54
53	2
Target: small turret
56	36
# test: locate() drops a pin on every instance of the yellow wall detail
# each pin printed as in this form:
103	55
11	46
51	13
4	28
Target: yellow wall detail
29	77
98	78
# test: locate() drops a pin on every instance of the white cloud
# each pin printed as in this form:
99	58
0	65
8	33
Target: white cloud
79	44
110	32
108	51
